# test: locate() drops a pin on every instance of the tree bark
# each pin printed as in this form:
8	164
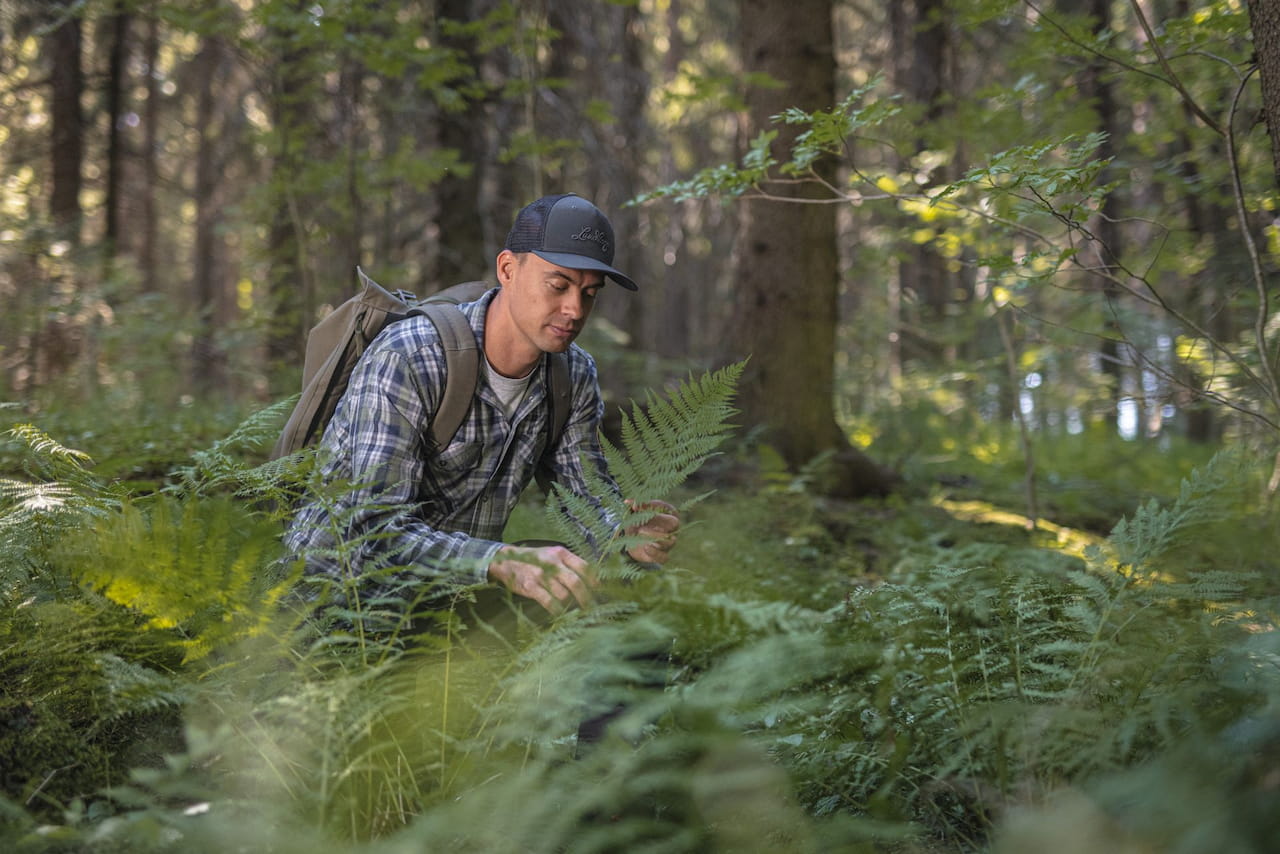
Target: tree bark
920	45
785	309
461	249
1264	19
67	81
150	225
116	84
208	360
1099	253
291	301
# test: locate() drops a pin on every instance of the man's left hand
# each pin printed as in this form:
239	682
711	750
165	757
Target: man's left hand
661	528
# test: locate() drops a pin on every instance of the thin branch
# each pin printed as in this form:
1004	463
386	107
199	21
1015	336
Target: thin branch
1168	70
1089	48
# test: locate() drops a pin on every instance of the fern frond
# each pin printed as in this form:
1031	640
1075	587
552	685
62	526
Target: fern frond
135	688
670	438
198	568
661	445
1207	495
222	466
48	449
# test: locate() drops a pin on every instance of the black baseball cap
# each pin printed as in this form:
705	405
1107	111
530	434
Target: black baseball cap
569	231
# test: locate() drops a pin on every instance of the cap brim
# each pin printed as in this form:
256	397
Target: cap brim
583	262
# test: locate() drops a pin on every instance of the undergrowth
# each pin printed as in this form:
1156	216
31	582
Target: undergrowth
804	676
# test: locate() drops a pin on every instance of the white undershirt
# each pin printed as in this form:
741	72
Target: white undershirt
509	391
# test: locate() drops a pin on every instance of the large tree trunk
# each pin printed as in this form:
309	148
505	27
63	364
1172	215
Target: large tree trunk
1264	18
785	311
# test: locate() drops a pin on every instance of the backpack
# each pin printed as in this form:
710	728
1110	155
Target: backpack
336	343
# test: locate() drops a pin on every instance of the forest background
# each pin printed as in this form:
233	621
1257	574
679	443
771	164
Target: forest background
1002	272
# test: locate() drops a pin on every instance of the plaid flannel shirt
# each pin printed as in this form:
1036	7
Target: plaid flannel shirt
436	514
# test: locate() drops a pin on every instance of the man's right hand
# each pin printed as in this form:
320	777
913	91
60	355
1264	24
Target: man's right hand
552	576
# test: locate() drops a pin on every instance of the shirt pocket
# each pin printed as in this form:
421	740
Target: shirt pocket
459	457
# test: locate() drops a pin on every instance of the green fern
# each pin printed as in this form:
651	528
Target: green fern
197	568
227	465
662	444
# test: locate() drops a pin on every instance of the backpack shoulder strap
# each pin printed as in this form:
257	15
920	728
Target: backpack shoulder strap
560	393
462	367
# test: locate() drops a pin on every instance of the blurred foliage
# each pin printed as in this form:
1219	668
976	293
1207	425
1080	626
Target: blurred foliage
808	675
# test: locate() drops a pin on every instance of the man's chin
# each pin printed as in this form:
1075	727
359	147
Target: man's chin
558	343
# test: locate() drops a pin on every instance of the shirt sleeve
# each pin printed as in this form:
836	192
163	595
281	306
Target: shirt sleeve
389	408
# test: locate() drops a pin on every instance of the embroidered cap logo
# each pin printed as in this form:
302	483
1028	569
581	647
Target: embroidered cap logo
594	235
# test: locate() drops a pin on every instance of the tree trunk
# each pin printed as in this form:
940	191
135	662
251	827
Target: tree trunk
150	225
208	360
66	75
116	84
1098	254
290	299
461	250
920	44
1264	19
785	310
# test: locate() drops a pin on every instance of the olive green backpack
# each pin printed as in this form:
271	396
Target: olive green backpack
336	343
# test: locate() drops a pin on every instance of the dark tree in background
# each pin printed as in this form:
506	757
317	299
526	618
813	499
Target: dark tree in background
66	78
787	275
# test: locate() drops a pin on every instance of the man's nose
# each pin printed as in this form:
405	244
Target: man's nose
572	304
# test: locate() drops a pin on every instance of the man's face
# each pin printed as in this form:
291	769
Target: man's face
548	304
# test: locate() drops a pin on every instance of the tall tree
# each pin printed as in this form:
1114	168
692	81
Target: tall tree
919	33
787	268
66	77
116	84
1264	19
291	88
1100	253
150	156
468	127
209	361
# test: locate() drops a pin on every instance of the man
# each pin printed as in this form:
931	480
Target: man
440	512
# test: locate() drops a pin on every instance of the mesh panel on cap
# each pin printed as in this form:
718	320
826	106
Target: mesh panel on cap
528	231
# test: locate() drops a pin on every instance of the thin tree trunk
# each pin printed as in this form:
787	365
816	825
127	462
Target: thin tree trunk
116	83
209	362
920	39
66	75
1099	254
461	251
150	224
290	299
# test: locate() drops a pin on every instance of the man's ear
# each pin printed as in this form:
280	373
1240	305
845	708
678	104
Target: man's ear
505	266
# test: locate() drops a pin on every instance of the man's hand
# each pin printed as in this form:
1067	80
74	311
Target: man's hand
662	527
552	576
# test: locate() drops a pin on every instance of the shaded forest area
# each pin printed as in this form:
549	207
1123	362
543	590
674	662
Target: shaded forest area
987	561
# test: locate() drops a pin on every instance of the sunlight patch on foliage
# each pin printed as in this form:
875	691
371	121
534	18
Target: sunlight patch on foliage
1070	541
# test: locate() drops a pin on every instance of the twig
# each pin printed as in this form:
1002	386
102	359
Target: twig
1168	70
